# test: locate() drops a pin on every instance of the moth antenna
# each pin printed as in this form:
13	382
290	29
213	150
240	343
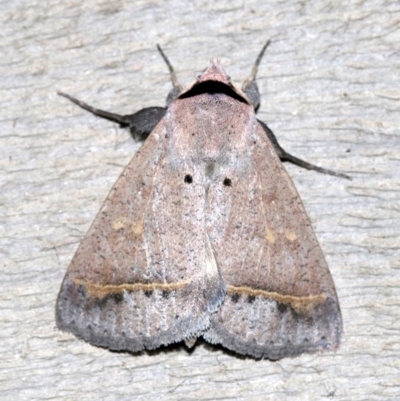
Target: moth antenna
101	113
251	78
174	80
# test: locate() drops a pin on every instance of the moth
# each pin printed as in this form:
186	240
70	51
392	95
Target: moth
202	235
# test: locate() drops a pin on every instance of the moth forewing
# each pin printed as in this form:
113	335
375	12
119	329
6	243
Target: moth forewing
134	281
281	300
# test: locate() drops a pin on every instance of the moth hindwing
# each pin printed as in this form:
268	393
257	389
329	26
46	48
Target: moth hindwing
202	235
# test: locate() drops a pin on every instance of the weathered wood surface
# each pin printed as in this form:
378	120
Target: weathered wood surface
330	92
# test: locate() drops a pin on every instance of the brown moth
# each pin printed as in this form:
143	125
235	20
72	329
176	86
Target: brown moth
202	235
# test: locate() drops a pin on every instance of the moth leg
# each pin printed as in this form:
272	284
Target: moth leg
284	156
250	87
177	88
140	123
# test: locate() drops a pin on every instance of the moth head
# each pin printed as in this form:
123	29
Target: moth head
215	80
214	73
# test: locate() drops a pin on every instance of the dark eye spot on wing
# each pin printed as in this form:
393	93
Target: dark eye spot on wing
251	299
117	298
282	308
227	182
235	298
188	179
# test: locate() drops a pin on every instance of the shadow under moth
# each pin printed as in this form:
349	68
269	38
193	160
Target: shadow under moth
202	235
